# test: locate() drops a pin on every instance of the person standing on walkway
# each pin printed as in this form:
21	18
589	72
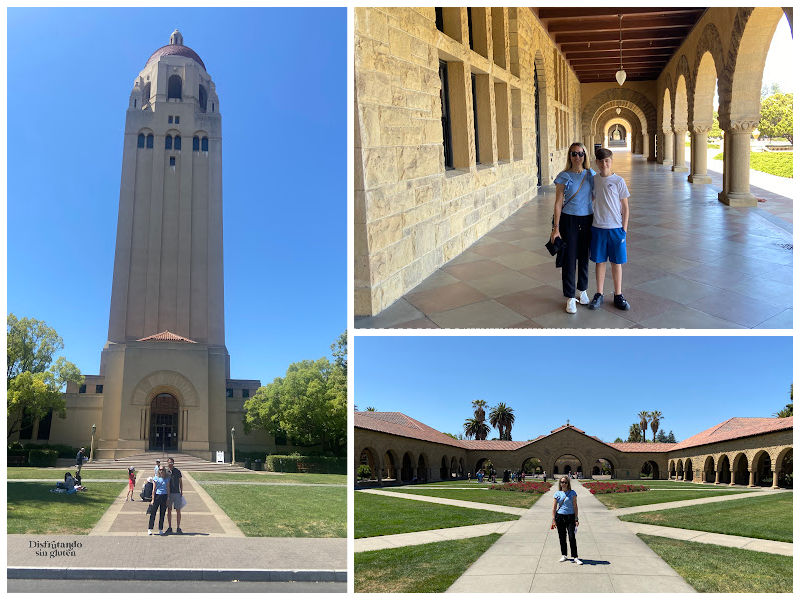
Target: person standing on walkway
156	468
175	496
131	483
79	460
565	518
572	222
159	501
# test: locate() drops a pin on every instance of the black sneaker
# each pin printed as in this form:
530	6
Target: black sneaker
620	302
596	302
168	531
179	531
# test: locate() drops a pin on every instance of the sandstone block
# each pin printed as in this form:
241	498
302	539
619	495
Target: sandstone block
384	232
380	167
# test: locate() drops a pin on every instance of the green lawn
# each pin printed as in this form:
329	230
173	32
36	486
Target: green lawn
516	499
669	485
57	473
278	511
32	508
382	515
269	477
658	496
710	568
425	568
464	483
774	163
765	517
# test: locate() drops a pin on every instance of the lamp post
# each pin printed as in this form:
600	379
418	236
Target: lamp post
91	446
233	446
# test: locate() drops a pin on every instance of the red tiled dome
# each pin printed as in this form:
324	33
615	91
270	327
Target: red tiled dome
175	50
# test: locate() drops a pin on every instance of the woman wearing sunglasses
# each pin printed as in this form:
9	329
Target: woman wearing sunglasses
565	517
572	222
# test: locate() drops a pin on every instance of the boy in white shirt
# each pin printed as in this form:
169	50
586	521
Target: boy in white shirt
609	228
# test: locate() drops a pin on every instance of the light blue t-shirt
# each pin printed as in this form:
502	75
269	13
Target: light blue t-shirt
581	205
161	484
564	499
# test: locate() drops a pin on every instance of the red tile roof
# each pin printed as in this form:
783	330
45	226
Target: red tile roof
642	446
736	427
166	336
397	423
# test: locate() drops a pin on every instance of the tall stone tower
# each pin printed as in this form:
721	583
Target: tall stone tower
165	365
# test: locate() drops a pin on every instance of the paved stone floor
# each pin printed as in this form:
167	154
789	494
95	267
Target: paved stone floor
692	263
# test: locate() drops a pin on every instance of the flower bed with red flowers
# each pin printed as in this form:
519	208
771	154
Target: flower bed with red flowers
529	487
610	487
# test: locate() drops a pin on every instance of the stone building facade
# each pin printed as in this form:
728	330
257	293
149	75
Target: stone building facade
164	381
399	449
462	115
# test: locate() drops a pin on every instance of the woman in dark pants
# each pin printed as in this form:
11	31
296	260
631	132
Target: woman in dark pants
572	222
159	501
565	517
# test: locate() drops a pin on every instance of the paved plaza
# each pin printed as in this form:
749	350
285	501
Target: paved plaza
693	262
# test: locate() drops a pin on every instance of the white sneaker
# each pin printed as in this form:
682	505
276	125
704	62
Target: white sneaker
563	559
584	298
572	307
577	561
149	532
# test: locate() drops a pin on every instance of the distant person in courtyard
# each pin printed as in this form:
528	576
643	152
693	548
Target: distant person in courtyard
147	490
156	468
175	496
565	518
610	228
572	222
159	501
79	459
131	483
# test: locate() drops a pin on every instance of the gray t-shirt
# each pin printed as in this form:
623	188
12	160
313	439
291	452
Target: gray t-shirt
608	193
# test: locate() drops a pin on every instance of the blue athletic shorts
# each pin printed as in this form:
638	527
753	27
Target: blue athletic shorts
608	244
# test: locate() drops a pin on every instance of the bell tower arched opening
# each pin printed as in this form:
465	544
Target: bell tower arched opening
164	411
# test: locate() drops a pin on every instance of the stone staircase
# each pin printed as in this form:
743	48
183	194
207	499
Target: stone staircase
145	461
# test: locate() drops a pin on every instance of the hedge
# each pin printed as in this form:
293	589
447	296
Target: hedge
774	163
296	463
42	458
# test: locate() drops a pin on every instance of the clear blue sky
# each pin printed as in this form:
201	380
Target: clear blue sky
599	383
282	83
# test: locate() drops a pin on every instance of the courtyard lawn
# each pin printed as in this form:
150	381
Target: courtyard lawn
710	568
627	499
32	508
283	511
669	484
774	163
382	515
766	517
270	477
425	568
57	473
516	499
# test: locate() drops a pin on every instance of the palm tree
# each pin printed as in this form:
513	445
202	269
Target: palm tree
655	417
473	428
644	417
371	408
478	405
502	417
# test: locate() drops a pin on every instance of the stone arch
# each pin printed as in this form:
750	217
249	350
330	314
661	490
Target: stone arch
666	110
444	469
762	466
688	470
739	469
407	467
707	476
368	456
680	112
651	467
709	63
605	124
454	470
599	466
679	469
636	121
175	87
480	463
165	382
580	464
723	470
753	29
536	469
543	82
461	467
390	465
620	97
671	469
784	467
422	467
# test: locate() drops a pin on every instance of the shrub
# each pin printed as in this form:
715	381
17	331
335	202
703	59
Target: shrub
295	463
42	458
529	487
612	487
778	163
714	146
364	472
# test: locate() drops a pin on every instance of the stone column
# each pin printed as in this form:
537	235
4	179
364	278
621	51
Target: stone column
666	144
775	485
716	477
379	466
588	141
737	165
650	146
679	152
699	172
752	478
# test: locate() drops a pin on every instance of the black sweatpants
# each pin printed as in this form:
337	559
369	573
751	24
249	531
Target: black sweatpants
160	505
576	233
566	524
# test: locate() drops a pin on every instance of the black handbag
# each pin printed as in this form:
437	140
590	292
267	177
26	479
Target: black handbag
151	508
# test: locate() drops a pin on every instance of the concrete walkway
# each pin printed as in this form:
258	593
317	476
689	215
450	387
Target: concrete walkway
511	510
719	539
416	538
525	559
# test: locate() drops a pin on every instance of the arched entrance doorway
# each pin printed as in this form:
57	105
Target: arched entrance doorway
164	423
649	470
568	463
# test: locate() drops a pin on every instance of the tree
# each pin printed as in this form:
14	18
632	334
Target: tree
655	417
644	417
715	132
308	404
473	428
34	380
370	409
661	437
618	440
786	411
478	405
502	417
634	433
776	116
454	436
532	465
770	89
671	437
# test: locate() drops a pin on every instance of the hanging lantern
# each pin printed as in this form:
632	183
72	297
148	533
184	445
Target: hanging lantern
620	75
619	110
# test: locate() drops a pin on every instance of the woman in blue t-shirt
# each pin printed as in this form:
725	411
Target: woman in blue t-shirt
572	222
159	501
565	517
